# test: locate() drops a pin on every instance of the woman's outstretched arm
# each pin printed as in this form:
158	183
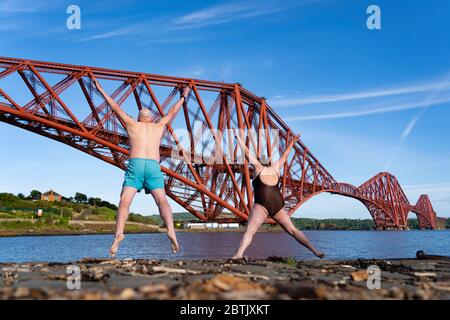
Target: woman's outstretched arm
280	162
250	157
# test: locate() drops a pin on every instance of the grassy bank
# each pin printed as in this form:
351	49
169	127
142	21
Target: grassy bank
19	216
27	228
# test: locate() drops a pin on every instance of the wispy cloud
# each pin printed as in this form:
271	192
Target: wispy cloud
11	26
405	134
302	101
153	36
20	15
22	6
226	13
194	72
170	27
114	33
429	101
223	71
436	186
393	107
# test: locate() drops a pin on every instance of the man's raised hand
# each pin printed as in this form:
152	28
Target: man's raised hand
99	87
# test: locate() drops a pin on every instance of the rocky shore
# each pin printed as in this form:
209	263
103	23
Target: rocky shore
274	278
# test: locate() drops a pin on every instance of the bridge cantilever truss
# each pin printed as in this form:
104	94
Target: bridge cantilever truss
59	101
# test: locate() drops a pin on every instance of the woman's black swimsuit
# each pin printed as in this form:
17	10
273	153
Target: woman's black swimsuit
269	197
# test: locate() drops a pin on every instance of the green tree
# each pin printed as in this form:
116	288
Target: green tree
413	224
21	196
95	201
80	197
108	205
35	195
447	223
70	199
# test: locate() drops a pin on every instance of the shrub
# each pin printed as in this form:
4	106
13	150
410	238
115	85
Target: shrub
48	220
413	224
64	221
135	217
67	213
291	261
108	205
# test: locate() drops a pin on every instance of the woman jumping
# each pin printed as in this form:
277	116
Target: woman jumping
269	201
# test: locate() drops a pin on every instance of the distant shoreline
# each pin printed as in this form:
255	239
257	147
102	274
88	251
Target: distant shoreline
4	234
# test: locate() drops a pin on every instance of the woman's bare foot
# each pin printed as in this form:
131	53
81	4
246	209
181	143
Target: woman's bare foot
320	255
174	242
238	259
115	246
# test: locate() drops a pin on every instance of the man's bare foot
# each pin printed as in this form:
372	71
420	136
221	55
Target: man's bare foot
115	246
174	242
320	255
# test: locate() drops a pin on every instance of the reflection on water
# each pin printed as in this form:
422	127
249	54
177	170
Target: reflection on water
214	245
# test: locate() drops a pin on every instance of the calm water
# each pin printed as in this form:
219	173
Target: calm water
213	245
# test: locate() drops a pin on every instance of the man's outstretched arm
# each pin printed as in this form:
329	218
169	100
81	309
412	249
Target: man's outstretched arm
114	106
175	108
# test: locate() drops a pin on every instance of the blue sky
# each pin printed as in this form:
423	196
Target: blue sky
364	101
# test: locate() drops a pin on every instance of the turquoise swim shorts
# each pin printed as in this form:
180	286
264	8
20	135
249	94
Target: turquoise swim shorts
143	173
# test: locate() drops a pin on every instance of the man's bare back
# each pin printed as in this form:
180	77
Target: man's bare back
144	139
144	135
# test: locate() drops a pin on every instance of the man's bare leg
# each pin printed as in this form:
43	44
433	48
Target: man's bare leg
257	217
165	211
126	197
283	219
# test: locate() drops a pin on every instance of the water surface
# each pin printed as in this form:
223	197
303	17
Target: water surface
215	245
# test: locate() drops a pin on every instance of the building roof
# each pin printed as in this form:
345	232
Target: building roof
51	192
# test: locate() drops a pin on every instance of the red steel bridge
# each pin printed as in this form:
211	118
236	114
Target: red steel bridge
59	101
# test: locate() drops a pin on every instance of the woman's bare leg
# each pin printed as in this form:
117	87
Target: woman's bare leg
283	219
165	211
126	197
258	215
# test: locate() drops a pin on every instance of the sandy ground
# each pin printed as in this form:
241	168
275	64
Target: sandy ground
274	278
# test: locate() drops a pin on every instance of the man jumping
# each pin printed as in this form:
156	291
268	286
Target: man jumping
143	170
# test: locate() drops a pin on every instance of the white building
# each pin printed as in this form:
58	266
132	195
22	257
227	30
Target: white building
210	225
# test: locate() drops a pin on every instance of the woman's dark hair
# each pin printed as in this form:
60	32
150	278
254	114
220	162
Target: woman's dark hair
264	160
